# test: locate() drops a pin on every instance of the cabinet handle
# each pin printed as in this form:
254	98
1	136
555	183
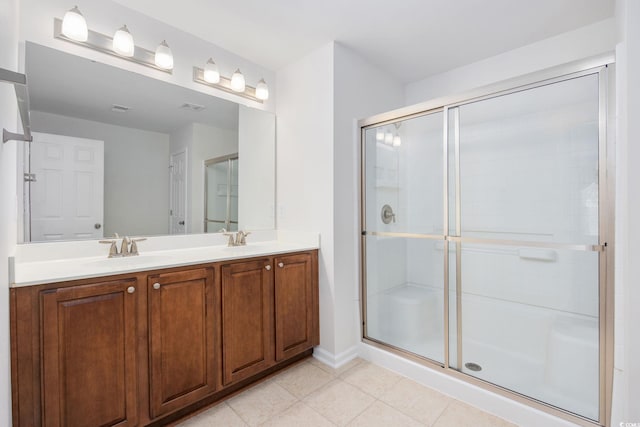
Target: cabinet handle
156	285
281	264
131	289
268	267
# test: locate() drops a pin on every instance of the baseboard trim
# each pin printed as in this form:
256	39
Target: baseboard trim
335	360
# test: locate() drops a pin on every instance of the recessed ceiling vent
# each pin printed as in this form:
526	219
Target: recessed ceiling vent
120	108
192	107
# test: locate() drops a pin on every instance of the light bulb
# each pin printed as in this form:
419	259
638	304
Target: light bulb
123	42
396	141
164	57
380	135
74	25
211	72
237	81
388	138
262	90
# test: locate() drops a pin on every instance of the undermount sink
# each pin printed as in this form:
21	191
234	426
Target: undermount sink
131	261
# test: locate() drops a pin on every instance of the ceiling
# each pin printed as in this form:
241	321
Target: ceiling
85	89
410	39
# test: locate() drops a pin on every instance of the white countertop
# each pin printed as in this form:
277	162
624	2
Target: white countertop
57	262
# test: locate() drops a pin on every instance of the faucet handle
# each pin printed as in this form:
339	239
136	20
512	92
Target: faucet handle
134	245
231	241
241	238
113	250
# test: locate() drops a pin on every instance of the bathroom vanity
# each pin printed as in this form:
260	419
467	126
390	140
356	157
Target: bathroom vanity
150	345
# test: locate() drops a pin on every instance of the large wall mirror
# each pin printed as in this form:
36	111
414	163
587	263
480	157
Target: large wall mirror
119	152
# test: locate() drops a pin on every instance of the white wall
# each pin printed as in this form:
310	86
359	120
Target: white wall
627	373
257	170
320	98
304	158
360	90
103	16
136	169
8	229
574	45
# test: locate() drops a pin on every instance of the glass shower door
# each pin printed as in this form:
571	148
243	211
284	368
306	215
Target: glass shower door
404	236
221	194
526	228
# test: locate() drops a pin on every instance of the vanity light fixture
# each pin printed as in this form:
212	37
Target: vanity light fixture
74	25
123	42
211	72
237	81
262	90
121	45
237	87
380	134
164	57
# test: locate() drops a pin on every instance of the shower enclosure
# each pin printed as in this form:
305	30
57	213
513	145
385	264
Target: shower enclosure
486	239
221	194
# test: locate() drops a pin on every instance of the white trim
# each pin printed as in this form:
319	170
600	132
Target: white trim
338	360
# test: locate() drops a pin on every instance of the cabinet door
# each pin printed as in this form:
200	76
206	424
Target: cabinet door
182	318
89	355
296	325
247	319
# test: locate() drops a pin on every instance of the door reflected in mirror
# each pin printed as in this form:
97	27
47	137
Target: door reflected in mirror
156	137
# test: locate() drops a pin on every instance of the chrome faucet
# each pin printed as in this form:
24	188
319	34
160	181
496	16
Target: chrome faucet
128	247
238	239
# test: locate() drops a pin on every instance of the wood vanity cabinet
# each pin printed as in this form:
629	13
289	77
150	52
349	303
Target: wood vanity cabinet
182	338
147	348
247	319
269	312
295	312
88	355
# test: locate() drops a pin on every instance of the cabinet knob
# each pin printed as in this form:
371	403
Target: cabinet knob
268	267
131	289
156	285
281	264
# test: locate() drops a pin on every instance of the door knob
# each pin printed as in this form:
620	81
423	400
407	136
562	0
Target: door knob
281	264
156	285
180	222
131	289
268	267
97	226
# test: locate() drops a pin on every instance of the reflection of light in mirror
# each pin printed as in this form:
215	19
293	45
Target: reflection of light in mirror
380	135
388	138
74	25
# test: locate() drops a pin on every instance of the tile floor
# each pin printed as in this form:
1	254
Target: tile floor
312	394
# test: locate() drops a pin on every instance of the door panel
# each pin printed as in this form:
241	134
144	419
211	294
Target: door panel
247	319
67	195
527	288
182	324
89	355
293	305
178	193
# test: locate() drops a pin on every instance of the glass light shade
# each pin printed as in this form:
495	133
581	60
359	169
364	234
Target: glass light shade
397	141
262	90
164	57
380	135
211	72
123	42
237	81
74	25
388	138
